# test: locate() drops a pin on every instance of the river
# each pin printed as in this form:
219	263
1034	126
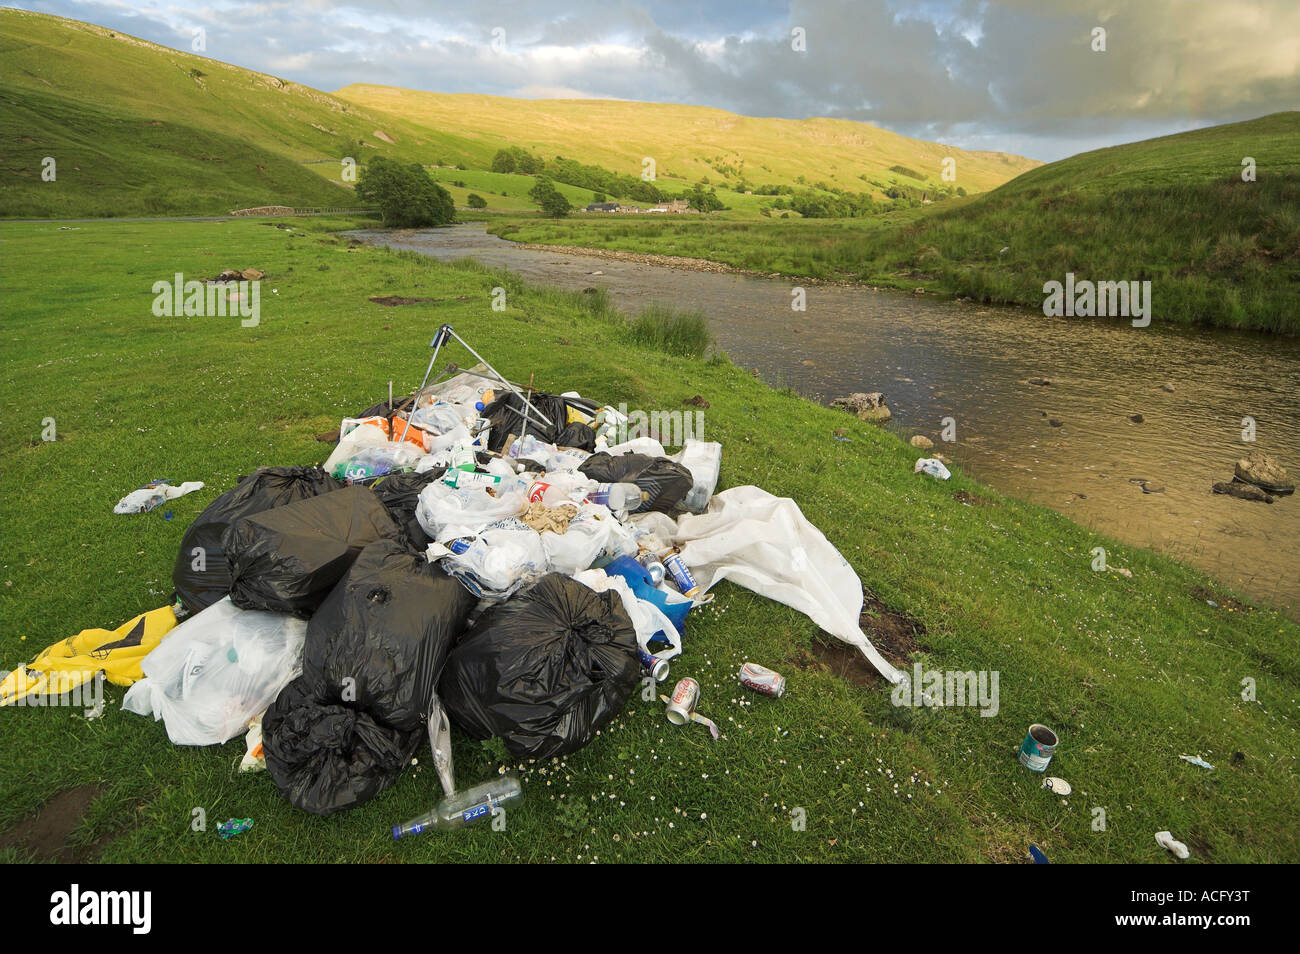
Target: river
937	359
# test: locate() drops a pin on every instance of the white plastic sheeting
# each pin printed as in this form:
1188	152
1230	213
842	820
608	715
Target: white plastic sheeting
765	544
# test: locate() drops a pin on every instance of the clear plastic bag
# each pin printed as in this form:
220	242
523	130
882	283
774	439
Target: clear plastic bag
376	461
438	419
447	513
503	557
704	460
216	671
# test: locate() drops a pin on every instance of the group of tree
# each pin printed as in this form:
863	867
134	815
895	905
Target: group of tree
551	200
405	194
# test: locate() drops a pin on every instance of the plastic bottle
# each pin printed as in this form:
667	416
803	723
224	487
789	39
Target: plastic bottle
561	487
621	496
460	808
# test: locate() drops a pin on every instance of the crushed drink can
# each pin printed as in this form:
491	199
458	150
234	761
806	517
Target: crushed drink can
685	697
680	574
653	566
761	679
657	667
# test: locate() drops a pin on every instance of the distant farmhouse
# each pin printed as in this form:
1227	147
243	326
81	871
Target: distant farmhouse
675	205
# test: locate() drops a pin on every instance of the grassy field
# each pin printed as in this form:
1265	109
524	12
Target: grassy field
1131	672
1173	210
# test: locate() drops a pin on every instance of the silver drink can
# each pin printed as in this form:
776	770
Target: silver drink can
685	697
761	679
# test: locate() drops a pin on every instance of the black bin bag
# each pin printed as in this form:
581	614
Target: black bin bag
343	731
666	482
544	670
507	416
399	493
288	559
265	488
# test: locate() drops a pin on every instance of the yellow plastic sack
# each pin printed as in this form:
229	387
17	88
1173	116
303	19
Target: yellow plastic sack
577	417
117	653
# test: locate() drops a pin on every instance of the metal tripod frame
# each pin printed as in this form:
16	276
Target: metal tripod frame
443	335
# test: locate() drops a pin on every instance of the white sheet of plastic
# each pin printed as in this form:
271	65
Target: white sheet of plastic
216	671
647	618
356	440
639	445
765	544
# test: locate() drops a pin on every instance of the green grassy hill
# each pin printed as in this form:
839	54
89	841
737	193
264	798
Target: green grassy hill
689	143
1174	210
142	129
138	128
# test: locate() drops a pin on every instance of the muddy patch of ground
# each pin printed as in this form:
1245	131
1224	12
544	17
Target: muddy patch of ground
971	500
45	837
894	635
393	300
1220	601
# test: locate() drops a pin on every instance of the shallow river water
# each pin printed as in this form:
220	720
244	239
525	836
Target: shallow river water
936	359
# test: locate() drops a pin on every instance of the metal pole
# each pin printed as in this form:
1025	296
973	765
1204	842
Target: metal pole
436	344
549	422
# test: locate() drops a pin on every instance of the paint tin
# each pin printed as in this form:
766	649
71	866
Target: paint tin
1038	748
685	697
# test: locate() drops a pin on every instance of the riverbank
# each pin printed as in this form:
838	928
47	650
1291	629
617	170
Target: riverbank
1131	671
1218	239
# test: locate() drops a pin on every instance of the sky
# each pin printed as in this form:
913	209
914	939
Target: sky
1020	76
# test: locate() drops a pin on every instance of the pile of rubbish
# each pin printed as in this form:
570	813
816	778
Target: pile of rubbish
479	555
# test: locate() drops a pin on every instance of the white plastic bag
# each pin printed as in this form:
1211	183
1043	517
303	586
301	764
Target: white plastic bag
216	671
360	437
765	544
704	460
447	513
579	547
146	498
932	466
500	559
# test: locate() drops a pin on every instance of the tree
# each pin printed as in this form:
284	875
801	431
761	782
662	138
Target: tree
476	201
555	205
503	161
598	197
703	201
406	195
